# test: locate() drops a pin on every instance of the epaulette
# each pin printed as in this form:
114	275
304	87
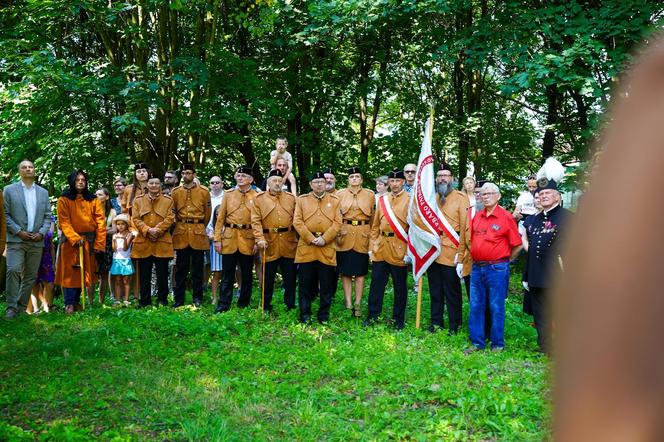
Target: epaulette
230	190
203	187
369	190
175	188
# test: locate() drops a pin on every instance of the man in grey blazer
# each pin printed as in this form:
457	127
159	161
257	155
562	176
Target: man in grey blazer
28	214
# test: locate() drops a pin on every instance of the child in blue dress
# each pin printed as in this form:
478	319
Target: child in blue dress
121	268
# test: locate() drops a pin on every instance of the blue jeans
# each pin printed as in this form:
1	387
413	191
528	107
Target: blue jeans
488	284
72	295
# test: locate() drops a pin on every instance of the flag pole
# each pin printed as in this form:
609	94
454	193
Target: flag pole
419	303
81	260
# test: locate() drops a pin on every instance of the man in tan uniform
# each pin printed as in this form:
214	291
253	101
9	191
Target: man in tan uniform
389	236
234	239
444	283
272	223
357	210
153	214
193	208
317	220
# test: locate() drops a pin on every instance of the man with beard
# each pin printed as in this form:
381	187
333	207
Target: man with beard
389	239
153	215
282	166
170	182
444	281
543	231
234	239
83	224
330	181
272	223
193	209
317	220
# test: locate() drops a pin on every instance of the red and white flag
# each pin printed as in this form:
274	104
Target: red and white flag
424	242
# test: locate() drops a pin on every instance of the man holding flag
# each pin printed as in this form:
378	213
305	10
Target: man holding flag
389	239
444	274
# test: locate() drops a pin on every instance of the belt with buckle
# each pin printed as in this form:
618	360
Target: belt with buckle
387	233
191	221
488	263
318	234
354	222
238	226
277	230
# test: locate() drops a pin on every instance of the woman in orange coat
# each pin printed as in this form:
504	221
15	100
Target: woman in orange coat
82	222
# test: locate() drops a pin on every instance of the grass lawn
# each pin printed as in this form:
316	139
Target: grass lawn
158	374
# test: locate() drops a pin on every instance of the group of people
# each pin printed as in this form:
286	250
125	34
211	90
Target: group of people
312	240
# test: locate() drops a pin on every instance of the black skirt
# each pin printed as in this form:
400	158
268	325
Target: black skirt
352	263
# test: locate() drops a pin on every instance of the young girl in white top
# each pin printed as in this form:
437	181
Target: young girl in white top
122	269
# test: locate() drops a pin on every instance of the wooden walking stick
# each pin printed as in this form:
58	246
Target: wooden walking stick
263	284
419	303
82	261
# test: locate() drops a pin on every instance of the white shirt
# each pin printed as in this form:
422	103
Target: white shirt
215	201
30	194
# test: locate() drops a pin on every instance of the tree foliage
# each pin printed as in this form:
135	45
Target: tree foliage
99	85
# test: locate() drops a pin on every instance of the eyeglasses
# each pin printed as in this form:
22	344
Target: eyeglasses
215	182
408	171
488	193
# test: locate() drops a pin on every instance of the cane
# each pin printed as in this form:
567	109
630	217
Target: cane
419	303
81	246
263	285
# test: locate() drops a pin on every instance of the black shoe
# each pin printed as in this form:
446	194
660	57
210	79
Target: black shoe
399	326
433	328
198	303
221	309
323	321
178	304
369	322
305	319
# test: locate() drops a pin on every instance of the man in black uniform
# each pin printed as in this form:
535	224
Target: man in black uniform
544	258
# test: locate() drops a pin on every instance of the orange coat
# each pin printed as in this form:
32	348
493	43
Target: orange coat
390	248
272	212
317	217
147	213
193	204
235	209
355	206
76	217
455	210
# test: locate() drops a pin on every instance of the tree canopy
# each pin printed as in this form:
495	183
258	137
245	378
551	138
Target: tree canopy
100	85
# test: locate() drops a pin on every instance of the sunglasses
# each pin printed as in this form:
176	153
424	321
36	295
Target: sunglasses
215	182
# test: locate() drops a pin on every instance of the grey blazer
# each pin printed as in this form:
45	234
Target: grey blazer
17	214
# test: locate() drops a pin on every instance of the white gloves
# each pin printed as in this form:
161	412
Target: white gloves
525	285
459	270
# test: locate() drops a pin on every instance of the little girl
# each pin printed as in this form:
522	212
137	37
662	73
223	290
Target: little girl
121	268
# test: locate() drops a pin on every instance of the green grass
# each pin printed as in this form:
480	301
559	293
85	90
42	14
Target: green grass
158	374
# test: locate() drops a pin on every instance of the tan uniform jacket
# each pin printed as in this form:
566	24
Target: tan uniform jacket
465	236
390	248
125	202
235	210
355	206
147	213
193	208
275	212
317	217
455	211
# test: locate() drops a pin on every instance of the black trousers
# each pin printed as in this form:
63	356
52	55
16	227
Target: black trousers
185	257
541	313
145	276
381	270
228	264
314	276
445	289
287	268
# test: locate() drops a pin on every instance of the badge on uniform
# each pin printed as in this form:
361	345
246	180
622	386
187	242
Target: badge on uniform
495	227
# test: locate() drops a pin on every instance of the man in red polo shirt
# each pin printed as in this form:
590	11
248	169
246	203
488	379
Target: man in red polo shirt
494	242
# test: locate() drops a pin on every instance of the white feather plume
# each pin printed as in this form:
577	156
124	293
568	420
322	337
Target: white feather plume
552	170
